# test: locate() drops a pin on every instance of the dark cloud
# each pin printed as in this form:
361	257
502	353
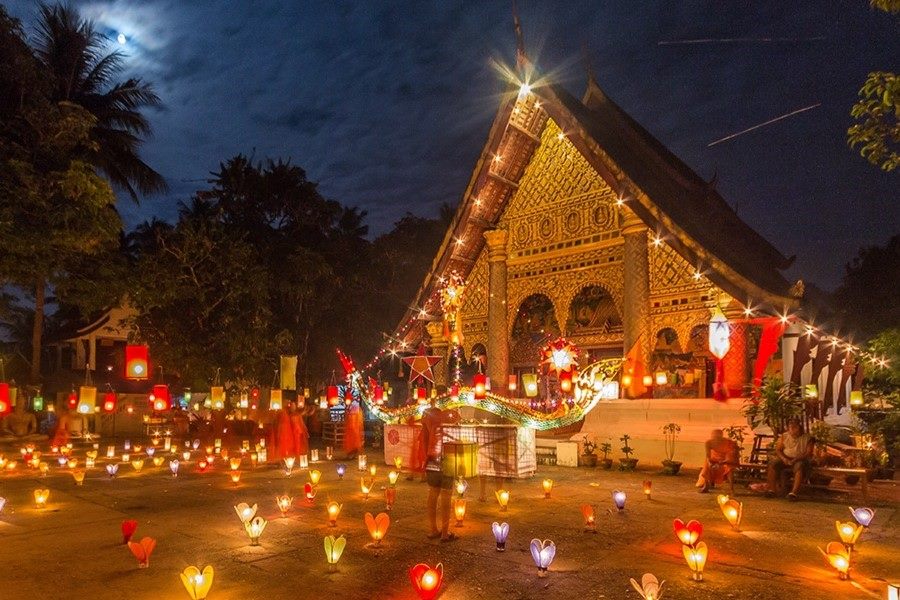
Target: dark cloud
388	104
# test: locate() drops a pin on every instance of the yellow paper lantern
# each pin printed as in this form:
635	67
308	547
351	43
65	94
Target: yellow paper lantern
547	486
255	528
78	476
856	398
235	476
235	463
696	559
848	532
502	499
838	557
245	512
365	486
398	462
731	509
275	402
137	464
393	476
314	476
40	497
334	548
197	582
334	509
284	503
87	400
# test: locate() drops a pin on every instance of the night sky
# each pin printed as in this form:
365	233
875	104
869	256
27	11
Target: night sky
387	105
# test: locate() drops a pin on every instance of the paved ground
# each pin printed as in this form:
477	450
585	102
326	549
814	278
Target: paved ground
72	548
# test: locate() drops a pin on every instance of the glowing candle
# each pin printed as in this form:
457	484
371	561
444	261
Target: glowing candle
341	469
459	510
547	486
334	509
255	528
838	557
40	497
377	526
461	487
197	582
284	503
186	455
587	511
126	457
392	477
72	463
426	580
695	556
288	465
543	553
619	499
398	462
650	588
173	466
502	499
44	468
863	516
648	485
373	469
158	461
235	463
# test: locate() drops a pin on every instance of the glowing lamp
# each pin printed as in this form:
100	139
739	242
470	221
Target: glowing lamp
202	464
186	455
334	509
361	462
72	463
137	361
365	486
284	503
587	511
372	470
309	491
543	552
390	497
235	476
255	528
275	401
334	547
331	395
893	590
863	516
173	466
378	395
421	395
461	487
426	580
245	512
288	465
40	497
235	463
647	380
627	380
647	487
719	334
618	497
650	587
479	386
687	533
314	476
197	582
129	526
217	397
150	451
304	461
513	384
838	557
72	400
530	382
856	398
695	556
329	452
78	476
393	476
662	378
454	392
377	526
547	486
137	464
87	399
44	468
158	461
142	551
565	381
398	462
314	455
502	499
459	510
848	532
811	391
112	469
5	403
501	532
341	469
731	509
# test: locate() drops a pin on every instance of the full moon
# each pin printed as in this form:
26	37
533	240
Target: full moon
121	38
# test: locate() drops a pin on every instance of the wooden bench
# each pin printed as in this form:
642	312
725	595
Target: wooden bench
863	474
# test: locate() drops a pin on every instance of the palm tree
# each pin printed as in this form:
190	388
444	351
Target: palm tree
73	53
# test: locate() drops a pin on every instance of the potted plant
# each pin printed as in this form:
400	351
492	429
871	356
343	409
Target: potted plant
606	461
772	403
735	433
627	463
588	452
671	466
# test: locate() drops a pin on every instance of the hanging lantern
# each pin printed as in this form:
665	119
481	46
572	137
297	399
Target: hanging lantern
377	526
109	402
142	551
5	401
378	395
650	588
245	512
856	398
565	381
849	533
530	381
255	528
310	492
513	384
501	532
454	392
863	516
719	334
479	386
334	509
695	556
838	557
459	510
731	509
560	356
72	400
543	552
618	497
129	526
421	395
648	486
647	380
688	534
426	580
331	394
662	378
502	499
137	362
587	511
87	399
284	503
197	582
275	401
217	397
627	380
547	486
334	547
159	398
341	469
390	497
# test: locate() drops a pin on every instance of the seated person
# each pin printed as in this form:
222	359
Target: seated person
71	424
793	450
20	425
721	459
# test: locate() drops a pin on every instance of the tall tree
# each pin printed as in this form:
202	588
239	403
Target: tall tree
866	300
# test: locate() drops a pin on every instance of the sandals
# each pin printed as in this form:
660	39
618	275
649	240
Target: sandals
451	537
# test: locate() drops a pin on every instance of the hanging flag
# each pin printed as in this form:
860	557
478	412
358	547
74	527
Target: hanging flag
288	372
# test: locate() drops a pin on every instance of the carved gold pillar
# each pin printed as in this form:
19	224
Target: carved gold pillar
439	346
636	284
497	340
735	361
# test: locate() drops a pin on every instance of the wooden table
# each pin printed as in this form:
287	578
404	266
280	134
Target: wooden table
863	475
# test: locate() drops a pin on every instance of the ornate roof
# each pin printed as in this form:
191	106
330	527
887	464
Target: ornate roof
662	190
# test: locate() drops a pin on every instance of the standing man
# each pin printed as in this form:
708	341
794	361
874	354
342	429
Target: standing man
794	451
439	484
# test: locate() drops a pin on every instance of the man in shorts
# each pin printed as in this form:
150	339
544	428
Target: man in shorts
792	451
439	484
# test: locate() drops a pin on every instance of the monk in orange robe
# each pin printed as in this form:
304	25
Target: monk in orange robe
353	429
299	431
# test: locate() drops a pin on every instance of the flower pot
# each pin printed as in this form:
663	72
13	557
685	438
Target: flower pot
671	467
627	464
606	463
589	460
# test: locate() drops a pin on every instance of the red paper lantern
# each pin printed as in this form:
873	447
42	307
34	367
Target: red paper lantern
479	383
379	395
565	380
109	402
4	399
159	398
72	400
137	362
421	394
332	395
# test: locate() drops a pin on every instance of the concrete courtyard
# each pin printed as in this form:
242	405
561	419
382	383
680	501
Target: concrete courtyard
73	547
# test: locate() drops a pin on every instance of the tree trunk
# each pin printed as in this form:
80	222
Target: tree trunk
37	331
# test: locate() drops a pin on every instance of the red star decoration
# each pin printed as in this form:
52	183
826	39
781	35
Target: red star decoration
420	365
